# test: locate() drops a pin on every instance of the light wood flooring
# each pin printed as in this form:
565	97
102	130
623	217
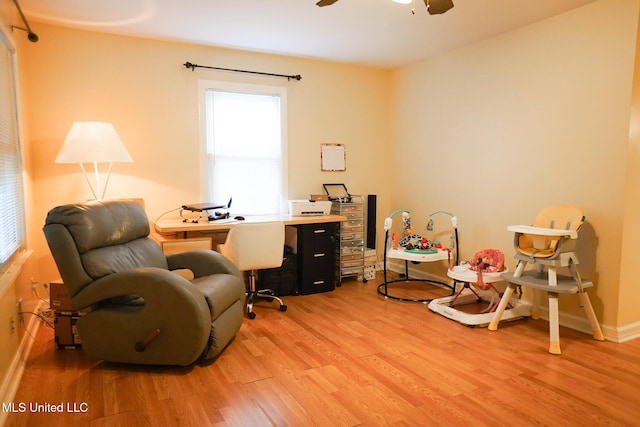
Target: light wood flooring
350	358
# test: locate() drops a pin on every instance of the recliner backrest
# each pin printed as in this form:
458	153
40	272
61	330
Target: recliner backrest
91	240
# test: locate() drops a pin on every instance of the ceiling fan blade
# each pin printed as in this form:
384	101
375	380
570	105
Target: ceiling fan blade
326	2
436	7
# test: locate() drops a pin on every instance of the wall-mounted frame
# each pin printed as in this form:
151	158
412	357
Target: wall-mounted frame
333	157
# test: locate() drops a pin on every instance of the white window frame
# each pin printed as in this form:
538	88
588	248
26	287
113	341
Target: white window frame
281	92
8	46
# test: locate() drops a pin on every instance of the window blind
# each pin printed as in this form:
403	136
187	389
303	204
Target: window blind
12	224
245	151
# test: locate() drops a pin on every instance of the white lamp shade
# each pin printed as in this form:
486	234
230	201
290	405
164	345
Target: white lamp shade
403	1
93	142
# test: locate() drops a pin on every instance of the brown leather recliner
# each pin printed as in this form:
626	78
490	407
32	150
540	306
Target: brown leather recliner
138	310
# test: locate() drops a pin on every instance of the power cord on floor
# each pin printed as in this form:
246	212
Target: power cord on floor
44	313
47	316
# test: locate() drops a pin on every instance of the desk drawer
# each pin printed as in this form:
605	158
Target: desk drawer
316	243
319	256
317	278
313	234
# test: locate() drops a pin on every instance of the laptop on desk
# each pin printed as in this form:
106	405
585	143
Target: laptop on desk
206	207
199	207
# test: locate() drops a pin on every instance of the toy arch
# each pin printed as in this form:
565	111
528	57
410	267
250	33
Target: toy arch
415	249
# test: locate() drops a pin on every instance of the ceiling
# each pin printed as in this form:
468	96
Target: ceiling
378	33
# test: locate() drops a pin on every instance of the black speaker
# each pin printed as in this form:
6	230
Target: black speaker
371	221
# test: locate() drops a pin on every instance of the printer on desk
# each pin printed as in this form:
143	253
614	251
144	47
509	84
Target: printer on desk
309	207
334	193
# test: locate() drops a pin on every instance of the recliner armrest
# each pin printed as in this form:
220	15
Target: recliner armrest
203	262
174	325
538	231
155	285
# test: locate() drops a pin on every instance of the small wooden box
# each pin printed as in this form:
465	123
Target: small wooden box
66	333
59	299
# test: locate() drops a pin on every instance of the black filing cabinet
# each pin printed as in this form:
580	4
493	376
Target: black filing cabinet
316	257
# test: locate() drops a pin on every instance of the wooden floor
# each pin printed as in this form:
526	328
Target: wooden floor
349	358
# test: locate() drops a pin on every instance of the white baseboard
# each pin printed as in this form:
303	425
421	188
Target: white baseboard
398	268
623	333
581	323
619	334
14	375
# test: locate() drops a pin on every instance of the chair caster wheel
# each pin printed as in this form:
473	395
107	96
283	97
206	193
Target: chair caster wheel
283	307
251	315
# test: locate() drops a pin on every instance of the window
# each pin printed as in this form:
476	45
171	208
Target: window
244	146
12	226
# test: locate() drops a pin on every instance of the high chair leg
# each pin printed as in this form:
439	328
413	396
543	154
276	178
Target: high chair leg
591	315
554	324
506	297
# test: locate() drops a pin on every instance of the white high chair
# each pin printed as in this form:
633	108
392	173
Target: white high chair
548	244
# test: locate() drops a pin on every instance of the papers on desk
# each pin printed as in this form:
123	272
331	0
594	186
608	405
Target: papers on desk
223	221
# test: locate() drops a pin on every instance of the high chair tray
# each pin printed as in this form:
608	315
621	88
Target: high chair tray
552	232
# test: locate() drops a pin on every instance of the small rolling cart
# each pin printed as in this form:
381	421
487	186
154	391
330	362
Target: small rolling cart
350	234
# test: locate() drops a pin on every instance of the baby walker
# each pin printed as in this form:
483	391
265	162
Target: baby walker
481	272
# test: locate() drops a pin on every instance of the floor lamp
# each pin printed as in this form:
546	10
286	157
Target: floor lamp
93	142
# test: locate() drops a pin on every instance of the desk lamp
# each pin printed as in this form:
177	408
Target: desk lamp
93	142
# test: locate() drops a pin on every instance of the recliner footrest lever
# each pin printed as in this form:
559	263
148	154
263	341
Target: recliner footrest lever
143	343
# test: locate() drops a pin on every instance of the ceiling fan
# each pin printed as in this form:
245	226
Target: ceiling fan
434	7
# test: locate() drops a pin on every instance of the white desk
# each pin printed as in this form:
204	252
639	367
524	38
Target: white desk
176	225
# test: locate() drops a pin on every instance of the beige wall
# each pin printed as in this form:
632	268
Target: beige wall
629	292
538	116
141	86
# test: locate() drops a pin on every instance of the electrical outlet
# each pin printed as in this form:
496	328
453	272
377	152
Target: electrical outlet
19	311
12	324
